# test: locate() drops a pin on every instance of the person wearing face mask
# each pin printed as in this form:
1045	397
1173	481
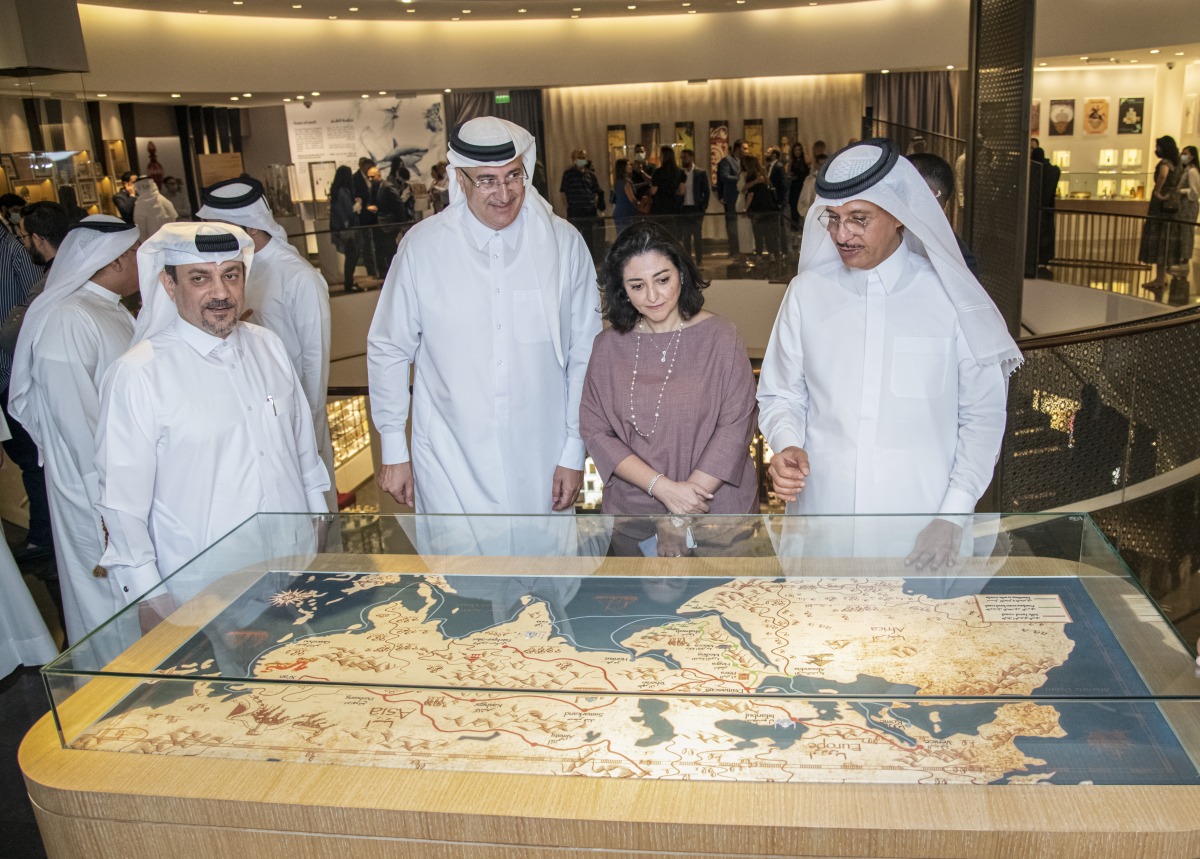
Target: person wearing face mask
10	212
1189	205
580	190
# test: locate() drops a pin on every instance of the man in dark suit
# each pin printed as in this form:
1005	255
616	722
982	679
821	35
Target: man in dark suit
694	190
365	193
728	171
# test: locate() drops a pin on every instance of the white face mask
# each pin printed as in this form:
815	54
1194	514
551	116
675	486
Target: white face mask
581	163
1187	157
14	218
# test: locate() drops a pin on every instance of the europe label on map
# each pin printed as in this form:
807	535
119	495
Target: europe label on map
961	681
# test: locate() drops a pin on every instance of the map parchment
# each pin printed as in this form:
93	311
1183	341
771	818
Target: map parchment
833	680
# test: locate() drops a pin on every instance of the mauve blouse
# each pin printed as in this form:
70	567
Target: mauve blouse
706	419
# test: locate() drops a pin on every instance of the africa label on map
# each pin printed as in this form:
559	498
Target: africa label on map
829	680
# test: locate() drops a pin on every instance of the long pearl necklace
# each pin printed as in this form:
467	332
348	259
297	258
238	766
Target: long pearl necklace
676	340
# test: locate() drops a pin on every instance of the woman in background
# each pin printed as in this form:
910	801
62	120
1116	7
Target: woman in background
1189	203
343	218
623	199
1160	237
797	173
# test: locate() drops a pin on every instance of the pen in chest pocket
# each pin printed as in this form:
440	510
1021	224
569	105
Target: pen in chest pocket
271	400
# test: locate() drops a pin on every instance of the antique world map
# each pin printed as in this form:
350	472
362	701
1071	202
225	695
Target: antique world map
959	681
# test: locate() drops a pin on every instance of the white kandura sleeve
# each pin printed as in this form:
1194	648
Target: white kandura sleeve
392	345
126	438
310	307
782	387
585	325
64	369
982	412
313	473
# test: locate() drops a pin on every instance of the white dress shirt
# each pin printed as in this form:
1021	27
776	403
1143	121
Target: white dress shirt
494	411
78	341
196	435
289	297
869	372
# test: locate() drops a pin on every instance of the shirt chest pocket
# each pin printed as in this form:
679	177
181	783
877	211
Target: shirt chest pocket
278	407
529	317
920	366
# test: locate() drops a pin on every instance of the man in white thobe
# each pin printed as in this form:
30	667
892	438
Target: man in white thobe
151	210
72	332
203	422
494	300
285	294
887	366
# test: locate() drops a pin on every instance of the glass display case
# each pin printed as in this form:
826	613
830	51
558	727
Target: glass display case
756	648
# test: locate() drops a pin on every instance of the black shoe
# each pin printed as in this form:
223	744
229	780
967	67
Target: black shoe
354	287
33	552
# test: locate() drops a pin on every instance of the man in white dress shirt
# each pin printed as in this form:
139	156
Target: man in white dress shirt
285	294
887	367
203	422
72	332
495	301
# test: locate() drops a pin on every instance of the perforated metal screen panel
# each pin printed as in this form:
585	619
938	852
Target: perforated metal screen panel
998	151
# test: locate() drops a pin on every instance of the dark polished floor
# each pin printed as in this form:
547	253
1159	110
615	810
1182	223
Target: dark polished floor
22	702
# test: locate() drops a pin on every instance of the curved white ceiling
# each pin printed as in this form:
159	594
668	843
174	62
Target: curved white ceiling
137	54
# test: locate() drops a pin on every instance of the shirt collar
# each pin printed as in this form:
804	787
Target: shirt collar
107	294
891	269
203	342
481	233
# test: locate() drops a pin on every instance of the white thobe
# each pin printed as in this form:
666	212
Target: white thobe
78	341
494	411
289	296
150	212
196	435
869	372
24	639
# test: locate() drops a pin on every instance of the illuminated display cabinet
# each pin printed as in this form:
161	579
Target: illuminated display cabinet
542	686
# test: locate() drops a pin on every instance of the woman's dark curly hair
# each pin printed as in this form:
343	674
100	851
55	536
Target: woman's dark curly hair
643	237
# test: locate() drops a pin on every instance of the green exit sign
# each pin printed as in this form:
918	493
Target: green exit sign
503	98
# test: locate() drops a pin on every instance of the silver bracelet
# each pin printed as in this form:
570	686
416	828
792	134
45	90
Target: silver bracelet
650	488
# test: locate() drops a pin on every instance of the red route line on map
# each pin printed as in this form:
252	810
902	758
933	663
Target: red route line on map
586	746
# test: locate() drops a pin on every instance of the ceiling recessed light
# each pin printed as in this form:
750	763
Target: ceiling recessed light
741	2
364	95
1156	51
202	11
574	17
297	5
687	4
691	11
287	99
383	92
577	9
1132	61
456	19
353	8
447	89
885	71
812	4
1041	64
247	95
98	95
1179	53
405	1
950	67
1084	59
631	8
316	93
233	98
466	11
522	11
176	95
237	2
333	17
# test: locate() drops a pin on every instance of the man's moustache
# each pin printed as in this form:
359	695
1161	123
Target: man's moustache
220	305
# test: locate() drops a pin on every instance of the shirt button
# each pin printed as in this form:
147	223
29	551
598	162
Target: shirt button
497	292
498	363
498	327
262	453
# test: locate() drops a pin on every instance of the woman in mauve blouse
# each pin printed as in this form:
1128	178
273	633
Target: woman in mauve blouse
668	403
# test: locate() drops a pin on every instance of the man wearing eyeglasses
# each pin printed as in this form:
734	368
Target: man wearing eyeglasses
494	301
884	383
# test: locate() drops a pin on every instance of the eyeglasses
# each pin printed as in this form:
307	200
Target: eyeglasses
23	236
855	225
491	184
